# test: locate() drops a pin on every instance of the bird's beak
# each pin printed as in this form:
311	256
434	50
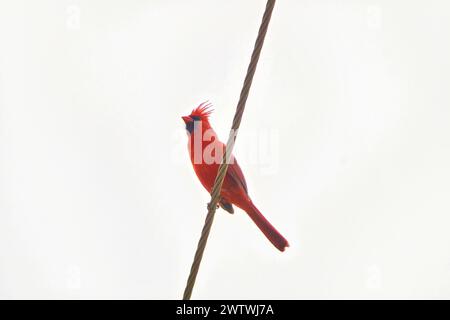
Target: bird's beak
186	119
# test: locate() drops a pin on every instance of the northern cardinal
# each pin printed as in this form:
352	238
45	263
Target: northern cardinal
206	152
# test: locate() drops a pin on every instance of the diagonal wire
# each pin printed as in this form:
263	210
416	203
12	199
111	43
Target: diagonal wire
215	194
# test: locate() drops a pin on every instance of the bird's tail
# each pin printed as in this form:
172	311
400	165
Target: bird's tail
266	227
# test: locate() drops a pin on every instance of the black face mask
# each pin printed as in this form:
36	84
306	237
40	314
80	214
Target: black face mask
191	124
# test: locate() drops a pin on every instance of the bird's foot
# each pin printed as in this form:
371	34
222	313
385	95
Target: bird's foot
208	206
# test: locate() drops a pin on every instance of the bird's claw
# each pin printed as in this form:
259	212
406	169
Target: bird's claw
208	206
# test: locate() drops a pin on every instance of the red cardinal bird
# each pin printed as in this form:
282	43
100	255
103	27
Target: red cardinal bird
206	152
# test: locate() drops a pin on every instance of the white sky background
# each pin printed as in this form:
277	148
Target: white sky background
344	143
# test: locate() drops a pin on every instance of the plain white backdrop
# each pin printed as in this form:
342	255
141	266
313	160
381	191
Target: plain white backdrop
344	142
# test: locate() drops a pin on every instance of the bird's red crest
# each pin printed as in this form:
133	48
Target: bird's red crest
202	111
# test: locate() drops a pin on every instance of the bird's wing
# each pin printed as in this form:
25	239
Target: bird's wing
235	173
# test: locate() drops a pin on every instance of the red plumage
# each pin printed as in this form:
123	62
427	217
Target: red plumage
206	152
203	111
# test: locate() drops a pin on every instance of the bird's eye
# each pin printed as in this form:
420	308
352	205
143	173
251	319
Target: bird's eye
196	118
